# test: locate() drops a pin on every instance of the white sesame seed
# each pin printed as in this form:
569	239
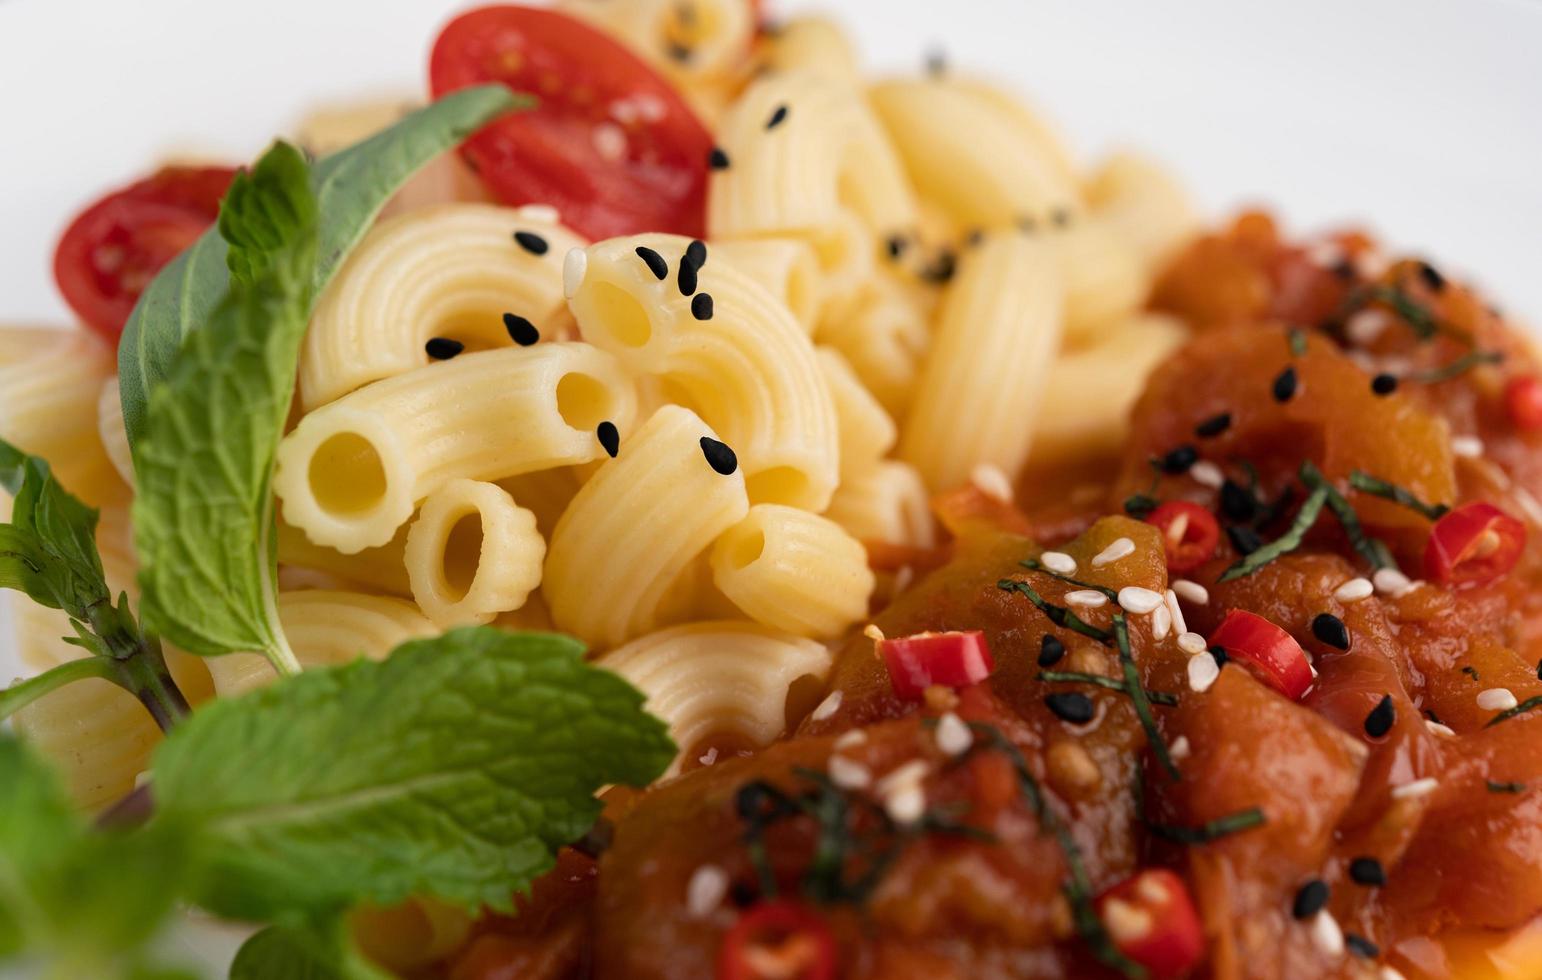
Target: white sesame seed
575	265
609	141
1497	699
992	481
1161	622
1364	327
1526	502
905	806
953	736
903	578
1191	643
829	706
1058	562
850	739
1327	934
1469	446
1203	670
543	213
1354	590
1325	254
1126	922
1134	599
705	891
1371	263
848	774
1391	973
1121	548
872	632
1207	474
1438	728
1180	748
910	773
708	758
1086	598
1391	582
1176	611
1415	789
1192	591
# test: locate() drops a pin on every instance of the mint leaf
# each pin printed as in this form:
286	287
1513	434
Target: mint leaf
322	952
453	768
350	187
203	512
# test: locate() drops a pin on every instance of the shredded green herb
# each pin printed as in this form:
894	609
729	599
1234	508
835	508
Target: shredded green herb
1139	699
1076	677
1210	830
1285	543
1471	671
1366	483
1059	615
1419	319
1140	505
1456	368
1034	565
1297	340
1527	705
1373	551
1494	787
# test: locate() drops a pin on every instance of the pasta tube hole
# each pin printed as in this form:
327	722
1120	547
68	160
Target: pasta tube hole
346	474
618	313
777	485
746	548
462	556
803	696
584	401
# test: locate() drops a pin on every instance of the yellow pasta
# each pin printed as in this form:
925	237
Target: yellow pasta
749	371
547	493
866	430
793	570
325	628
472	553
1089	394
50	384
885	503
1144	205
635	527
997	333
533	615
719	678
785	267
111	431
451	271
1105	278
816	45
686	37
97	735
883	333
352	471
381	569
1006	169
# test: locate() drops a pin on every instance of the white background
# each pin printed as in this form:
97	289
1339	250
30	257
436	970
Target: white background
1421	117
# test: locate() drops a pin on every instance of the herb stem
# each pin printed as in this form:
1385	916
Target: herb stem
19	695
146	676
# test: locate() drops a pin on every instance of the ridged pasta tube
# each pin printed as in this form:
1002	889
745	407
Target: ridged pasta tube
785	267
887	503
352	471
867	432
1144	205
472	553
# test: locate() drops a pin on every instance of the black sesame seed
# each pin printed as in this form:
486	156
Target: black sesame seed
1237	503
718	159
1050	651
1070	706
1384	384
1367	871
654	261
521	331
1379	721
942	269
896	245
686	277
975	237
1213	426
1244	539
701	306
1060	217
531	242
1539	670
1344	269
719	456
1472	671
777	118
1431	278
743	894
443	348
1310	899
1285	385
679	52
1179	460
1219	653
610	439
696	254
1331	630
936	64
1027	225
1361	946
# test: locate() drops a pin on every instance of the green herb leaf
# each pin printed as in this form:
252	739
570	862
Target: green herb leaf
1456	368
454	768
318	952
1285	543
350	187
1138	697
203	514
1210	830
1366	483
1296	337
1076	677
1059	615
1374	551
1494	787
1034	565
1530	704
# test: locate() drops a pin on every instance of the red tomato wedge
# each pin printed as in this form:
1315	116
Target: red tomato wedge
1272	654
1151	919
1523	402
111	251
954	659
610	143
778	940
1473	544
1189	531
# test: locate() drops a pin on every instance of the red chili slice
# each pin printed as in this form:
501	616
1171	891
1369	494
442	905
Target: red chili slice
1272	654
1151	919
1473	544
954	659
778	940
610	143
1523	402
1189	531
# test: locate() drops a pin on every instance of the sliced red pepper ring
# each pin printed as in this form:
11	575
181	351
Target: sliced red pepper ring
1150	916
1272	654
1189	531
781	939
953	659
1523	402
1473	544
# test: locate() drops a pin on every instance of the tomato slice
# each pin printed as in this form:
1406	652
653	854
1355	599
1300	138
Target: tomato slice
1151	919
1189	531
1473	544
610	143
954	659
1523	402
111	251
1272	654
778	940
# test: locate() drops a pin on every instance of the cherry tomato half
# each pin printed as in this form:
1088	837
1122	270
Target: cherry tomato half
954	659
609	143
1189	531
1523	402
780	939
1151	919
1473	544
1272	654
111	251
